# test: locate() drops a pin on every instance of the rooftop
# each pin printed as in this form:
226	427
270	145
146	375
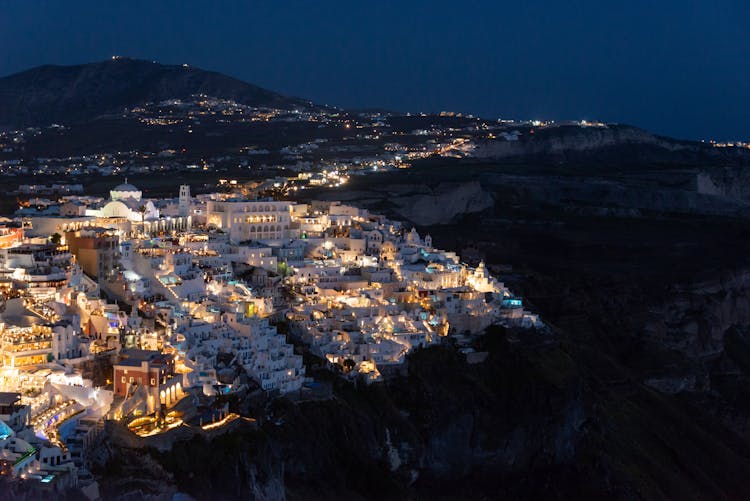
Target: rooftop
125	187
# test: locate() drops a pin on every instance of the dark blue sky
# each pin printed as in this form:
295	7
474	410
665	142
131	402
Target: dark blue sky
676	67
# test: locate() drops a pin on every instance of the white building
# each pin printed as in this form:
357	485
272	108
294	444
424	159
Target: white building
126	203
250	220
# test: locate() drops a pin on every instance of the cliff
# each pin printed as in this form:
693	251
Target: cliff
610	144
422	204
732	183
537	419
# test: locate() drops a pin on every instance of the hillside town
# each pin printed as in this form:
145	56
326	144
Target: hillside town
323	251
148	312
205	134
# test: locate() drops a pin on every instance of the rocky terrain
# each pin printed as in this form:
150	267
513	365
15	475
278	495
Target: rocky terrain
421	203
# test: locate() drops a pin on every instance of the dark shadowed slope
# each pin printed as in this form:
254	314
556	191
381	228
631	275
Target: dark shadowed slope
66	94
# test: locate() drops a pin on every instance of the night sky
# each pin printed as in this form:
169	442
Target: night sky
675	67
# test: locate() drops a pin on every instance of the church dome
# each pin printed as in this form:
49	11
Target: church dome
126	187
125	191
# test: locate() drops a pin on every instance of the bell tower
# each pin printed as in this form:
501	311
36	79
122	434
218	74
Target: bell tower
184	200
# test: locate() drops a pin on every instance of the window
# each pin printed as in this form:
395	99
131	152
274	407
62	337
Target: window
153	382
122	379
131	379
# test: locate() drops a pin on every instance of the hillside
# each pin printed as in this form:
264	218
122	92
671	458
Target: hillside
127	104
71	94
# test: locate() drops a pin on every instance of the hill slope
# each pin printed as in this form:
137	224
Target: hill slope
68	94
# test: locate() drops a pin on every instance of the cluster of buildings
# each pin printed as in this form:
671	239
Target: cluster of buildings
182	301
366	291
50	416
352	143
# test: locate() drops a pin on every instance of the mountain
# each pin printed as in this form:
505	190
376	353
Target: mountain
70	94
90	100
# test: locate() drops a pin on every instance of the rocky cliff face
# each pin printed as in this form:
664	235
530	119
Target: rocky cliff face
732	183
707	322
625	196
613	144
542	142
443	204
430	194
422	204
434	431
697	317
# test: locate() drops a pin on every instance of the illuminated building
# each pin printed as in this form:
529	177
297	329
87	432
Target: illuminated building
250	220
95	249
10	236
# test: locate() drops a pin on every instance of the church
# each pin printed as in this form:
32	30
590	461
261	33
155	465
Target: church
126	203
